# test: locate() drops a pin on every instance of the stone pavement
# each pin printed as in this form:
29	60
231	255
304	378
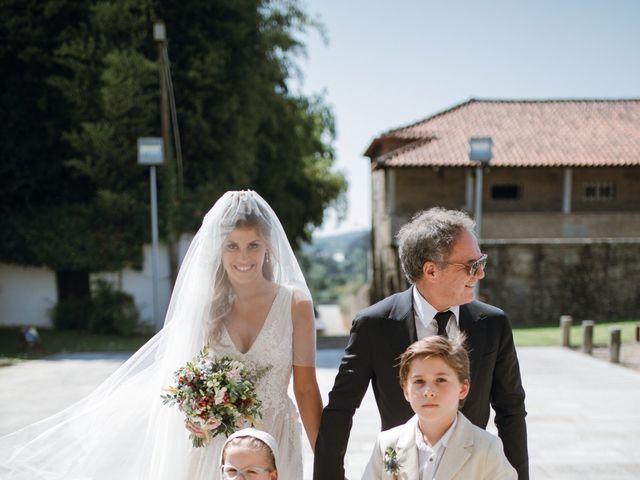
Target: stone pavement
584	420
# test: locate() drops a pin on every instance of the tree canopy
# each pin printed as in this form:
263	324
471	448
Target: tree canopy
80	85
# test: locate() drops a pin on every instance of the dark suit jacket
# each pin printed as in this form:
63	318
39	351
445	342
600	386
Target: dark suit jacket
379	335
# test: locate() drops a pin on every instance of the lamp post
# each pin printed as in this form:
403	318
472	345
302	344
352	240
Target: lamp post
151	152
479	151
167	107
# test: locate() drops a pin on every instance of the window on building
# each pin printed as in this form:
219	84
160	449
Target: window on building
505	192
599	191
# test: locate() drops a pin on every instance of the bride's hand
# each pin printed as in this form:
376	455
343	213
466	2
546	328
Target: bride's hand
193	428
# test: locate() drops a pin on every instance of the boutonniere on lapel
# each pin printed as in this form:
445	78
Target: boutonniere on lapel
390	462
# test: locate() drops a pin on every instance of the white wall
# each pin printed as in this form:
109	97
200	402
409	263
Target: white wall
26	295
139	284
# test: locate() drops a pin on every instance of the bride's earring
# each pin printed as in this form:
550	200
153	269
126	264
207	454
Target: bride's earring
267	258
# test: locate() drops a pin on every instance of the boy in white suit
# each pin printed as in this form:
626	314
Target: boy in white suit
438	443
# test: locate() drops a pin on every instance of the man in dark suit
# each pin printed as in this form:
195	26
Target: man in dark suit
441	258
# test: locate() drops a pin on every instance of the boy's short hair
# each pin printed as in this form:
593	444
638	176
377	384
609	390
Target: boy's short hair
451	351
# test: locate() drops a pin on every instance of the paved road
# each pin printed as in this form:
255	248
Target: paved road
584	420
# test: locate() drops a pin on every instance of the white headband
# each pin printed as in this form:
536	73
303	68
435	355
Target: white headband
260	435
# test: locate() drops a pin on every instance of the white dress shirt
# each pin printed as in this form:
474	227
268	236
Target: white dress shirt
426	325
429	457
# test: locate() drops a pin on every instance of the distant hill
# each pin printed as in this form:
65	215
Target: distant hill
339	243
335	266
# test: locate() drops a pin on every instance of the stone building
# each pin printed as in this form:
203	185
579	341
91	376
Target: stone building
560	201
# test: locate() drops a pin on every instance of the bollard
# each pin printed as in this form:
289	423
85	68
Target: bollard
614	345
587	342
637	333
565	330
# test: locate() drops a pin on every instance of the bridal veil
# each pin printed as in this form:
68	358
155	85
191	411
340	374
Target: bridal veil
122	430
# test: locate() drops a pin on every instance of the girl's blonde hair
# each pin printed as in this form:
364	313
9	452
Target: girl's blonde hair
254	444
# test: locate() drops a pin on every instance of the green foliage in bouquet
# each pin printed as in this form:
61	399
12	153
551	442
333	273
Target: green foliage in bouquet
216	394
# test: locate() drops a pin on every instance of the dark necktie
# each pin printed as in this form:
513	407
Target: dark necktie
442	318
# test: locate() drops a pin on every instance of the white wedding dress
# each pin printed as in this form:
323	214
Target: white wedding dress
123	431
273	348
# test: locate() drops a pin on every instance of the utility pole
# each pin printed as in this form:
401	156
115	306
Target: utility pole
160	36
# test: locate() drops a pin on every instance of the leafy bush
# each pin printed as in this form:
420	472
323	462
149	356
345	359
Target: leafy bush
112	311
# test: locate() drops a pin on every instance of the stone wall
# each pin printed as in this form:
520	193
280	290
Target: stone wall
421	188
541	189
584	225
543	263
535	283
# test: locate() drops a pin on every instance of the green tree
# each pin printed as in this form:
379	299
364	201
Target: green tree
80	84
243	128
81	90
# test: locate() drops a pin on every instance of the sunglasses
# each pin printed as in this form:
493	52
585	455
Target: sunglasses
473	266
231	472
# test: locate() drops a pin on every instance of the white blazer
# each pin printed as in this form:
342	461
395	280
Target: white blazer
471	454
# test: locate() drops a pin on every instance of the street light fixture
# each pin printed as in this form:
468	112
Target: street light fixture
151	152
159	31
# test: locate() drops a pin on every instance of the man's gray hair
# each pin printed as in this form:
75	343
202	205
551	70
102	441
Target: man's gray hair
429	237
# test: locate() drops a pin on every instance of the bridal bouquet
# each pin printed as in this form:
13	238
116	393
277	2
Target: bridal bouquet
217	395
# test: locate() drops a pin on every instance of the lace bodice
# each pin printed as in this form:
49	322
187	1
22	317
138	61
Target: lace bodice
272	349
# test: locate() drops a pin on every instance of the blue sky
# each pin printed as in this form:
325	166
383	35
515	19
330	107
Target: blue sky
391	63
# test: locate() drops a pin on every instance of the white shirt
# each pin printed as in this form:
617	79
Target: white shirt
426	325
429	457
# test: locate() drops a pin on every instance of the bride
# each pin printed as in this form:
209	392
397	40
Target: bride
239	290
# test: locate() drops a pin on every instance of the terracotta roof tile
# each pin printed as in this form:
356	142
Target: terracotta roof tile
537	133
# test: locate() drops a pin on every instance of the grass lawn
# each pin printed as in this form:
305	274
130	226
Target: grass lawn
549	336
71	341
67	341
